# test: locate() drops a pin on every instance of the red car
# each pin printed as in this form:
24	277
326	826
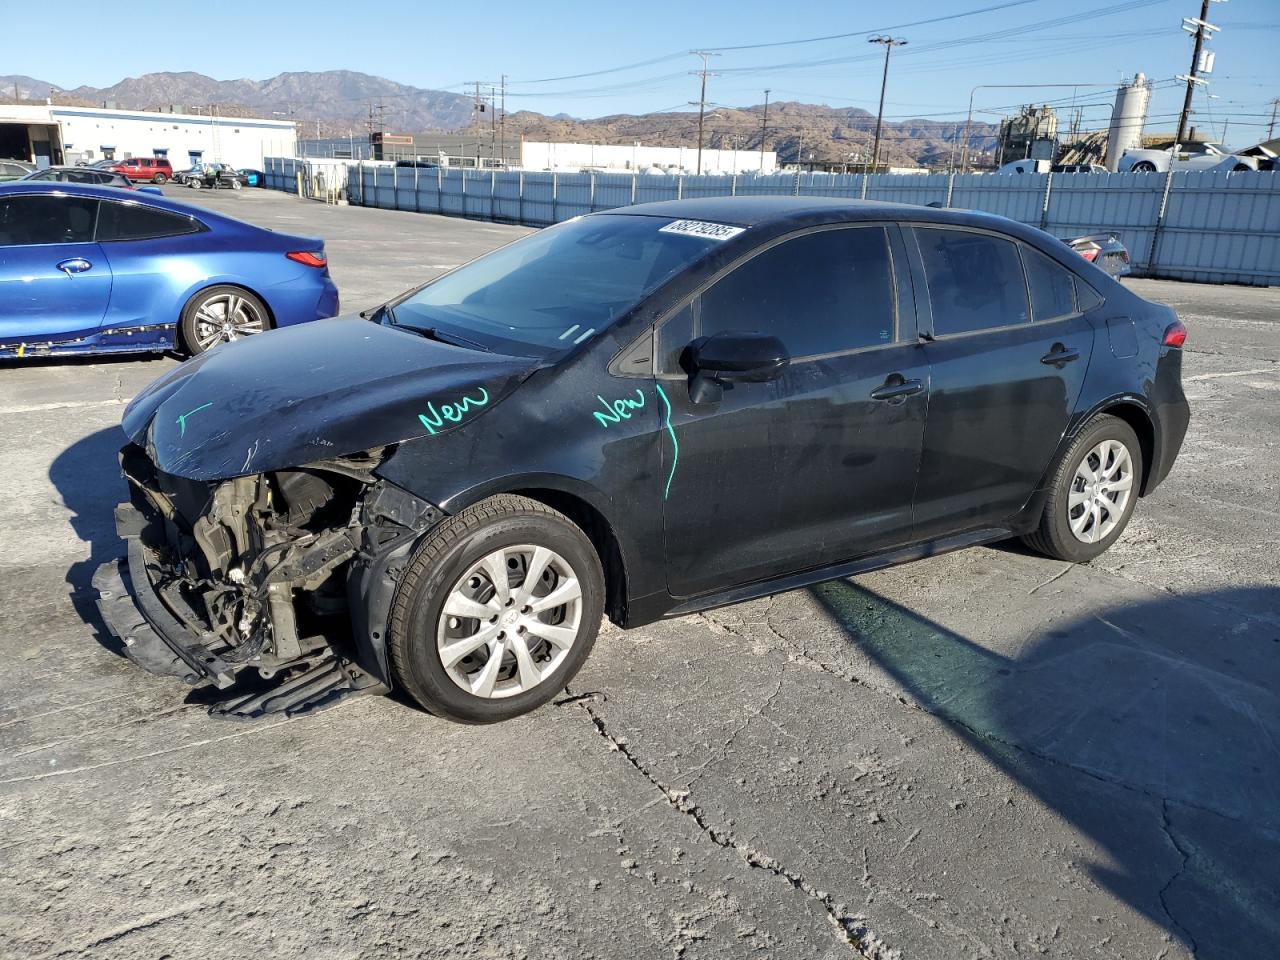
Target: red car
150	169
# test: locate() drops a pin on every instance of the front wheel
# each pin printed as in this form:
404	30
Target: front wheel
194	184
1092	492
1144	167
496	611
235	184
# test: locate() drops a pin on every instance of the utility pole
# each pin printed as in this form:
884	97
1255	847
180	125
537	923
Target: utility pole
493	124
1271	127
1203	30
702	97
764	127
502	121
889	44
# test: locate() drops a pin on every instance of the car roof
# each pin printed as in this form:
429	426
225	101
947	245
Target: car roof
105	192
782	212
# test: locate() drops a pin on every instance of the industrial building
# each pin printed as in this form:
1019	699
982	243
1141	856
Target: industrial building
637	158
48	134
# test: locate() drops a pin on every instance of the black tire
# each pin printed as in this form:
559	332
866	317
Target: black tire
440	562
235	184
194	184
1241	168
1144	167
190	340
159	179
1053	537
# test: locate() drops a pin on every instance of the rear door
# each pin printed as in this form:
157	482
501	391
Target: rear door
1008	360
819	465
54	279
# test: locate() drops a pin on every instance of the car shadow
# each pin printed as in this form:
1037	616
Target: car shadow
1171	705
87	476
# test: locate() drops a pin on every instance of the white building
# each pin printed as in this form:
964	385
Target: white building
53	134
636	158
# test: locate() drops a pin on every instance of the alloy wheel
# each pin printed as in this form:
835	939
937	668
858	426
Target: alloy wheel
509	621
225	317
1100	491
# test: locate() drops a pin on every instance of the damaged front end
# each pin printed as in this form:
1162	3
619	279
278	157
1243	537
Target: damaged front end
287	574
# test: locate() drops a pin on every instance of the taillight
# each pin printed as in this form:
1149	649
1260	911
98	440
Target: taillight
1090	252
308	258
1175	335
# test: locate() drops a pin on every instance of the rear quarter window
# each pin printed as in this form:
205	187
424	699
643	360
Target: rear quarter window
1053	288
133	221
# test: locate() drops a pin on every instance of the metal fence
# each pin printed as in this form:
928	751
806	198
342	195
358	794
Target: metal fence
1208	226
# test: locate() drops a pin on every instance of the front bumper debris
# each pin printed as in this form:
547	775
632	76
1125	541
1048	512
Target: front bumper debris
152	637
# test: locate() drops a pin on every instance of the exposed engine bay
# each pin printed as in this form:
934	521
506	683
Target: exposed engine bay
285	573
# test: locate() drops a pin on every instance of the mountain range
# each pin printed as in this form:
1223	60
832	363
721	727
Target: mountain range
339	102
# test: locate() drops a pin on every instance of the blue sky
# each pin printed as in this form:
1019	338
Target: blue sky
446	45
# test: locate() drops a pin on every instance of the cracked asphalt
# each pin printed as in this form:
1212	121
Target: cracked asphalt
985	754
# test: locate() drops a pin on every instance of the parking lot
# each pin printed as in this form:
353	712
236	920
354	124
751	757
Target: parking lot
983	754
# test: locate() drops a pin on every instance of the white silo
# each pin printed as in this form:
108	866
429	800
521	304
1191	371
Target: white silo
1127	119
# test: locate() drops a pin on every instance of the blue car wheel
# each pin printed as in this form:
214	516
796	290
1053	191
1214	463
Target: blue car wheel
221	314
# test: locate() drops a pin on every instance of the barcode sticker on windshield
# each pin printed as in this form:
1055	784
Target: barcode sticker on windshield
700	228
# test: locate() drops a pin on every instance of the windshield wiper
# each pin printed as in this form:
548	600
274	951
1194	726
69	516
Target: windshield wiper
434	333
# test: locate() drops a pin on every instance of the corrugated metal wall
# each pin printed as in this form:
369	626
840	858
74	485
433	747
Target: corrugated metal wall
1211	227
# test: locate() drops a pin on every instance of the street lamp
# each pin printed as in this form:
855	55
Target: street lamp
889	44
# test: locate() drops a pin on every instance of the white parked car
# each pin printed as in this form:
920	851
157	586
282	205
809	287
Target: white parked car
1026	166
1189	156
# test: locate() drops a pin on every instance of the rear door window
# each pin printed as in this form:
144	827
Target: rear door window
133	221
1053	289
821	293
975	280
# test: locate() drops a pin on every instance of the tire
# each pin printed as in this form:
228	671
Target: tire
450	568
1241	168
235	184
194	184
1055	537
159	179
209	308
1144	166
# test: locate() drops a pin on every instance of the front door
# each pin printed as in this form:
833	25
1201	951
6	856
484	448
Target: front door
1006	376
820	464
54	280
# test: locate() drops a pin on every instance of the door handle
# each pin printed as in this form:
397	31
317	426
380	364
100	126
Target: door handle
897	388
75	265
1060	356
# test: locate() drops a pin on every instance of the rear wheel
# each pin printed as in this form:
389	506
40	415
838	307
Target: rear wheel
219	315
194	183
1092	492
1144	167
159	179
496	612
235	184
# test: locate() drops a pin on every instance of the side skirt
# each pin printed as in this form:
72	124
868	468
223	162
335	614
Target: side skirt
876	561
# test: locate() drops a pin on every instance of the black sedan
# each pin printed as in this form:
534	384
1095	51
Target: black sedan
101	178
640	414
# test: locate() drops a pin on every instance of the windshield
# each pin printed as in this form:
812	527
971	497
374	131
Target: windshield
546	293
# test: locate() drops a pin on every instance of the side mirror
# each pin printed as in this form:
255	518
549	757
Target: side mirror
733	358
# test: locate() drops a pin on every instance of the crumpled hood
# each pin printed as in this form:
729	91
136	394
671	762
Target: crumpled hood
310	392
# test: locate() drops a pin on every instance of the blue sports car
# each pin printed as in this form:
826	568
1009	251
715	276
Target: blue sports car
87	269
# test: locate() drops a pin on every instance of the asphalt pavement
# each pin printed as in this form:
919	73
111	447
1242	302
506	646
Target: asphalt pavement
984	754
